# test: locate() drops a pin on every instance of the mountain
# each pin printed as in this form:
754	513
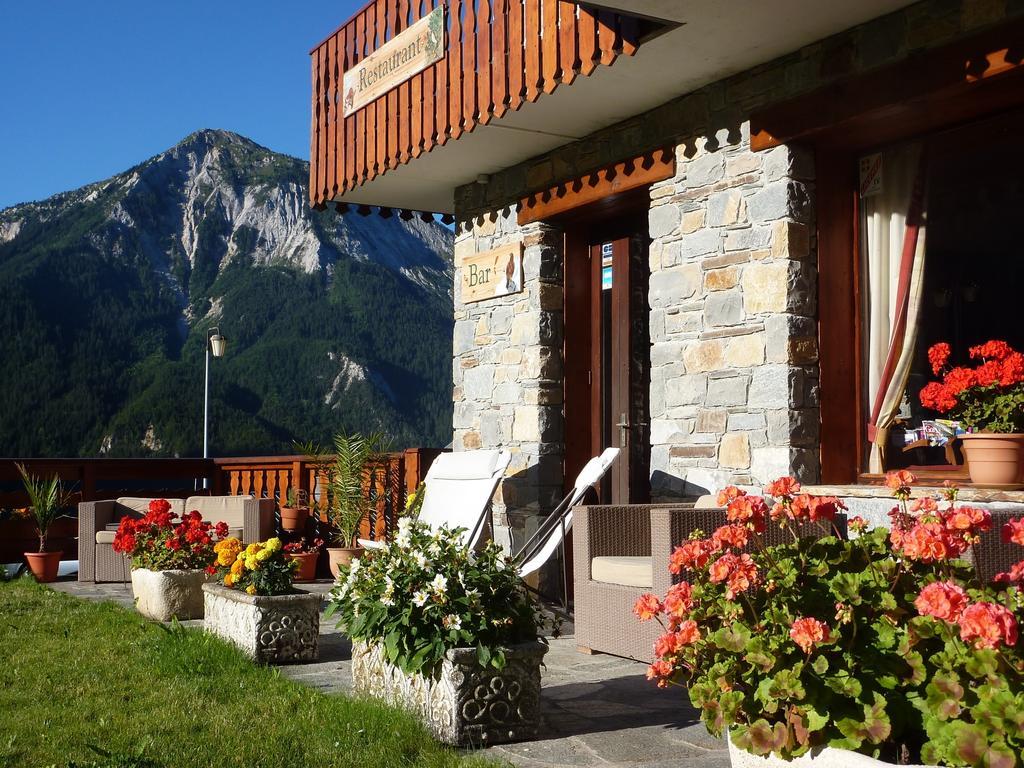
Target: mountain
334	322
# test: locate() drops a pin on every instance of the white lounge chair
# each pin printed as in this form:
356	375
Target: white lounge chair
551	534
458	492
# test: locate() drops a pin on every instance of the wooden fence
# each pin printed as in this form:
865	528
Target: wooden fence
500	54
387	483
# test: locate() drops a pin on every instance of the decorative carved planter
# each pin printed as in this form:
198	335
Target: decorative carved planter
827	757
275	629
467	705
163	595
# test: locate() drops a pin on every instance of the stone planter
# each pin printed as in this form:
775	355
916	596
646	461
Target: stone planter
467	705
163	595
826	757
275	629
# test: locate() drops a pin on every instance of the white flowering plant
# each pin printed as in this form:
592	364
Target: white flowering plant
425	593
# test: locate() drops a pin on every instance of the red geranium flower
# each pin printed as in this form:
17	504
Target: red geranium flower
647	606
1013	531
988	625
943	600
808	632
938	356
991	350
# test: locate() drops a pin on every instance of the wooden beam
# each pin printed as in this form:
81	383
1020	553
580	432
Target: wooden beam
965	67
621	177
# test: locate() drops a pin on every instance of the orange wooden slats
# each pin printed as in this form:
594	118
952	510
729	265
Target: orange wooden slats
314	129
370	112
404	95
567	40
331	187
629	34
381	104
532	45
516	59
550	61
347	132
469	65
606	37
499	59
455	71
483	62
416	98
587	25
358	121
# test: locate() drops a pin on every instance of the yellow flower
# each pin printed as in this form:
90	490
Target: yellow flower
273	545
250	590
229	580
237	567
263	556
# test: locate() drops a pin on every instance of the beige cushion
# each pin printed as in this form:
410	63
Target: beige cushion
235	533
230	509
142	505
105	537
628	571
707	501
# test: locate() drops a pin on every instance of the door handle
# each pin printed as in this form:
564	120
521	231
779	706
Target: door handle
624	427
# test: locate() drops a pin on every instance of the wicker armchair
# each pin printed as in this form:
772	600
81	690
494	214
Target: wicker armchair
991	555
249	519
620	552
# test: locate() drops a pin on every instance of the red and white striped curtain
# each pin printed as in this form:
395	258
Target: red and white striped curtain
893	233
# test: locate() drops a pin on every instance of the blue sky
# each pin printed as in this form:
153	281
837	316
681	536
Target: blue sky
92	88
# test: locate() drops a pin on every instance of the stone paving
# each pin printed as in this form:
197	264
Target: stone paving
596	710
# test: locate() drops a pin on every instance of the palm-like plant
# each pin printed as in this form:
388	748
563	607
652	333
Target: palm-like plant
350	501
46	497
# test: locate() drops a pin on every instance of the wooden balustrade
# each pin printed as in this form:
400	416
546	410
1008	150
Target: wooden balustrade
387	483
499	54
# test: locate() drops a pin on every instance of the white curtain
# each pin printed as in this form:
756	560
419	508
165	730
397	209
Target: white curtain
893	238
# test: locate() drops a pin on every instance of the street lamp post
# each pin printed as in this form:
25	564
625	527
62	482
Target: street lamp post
217	344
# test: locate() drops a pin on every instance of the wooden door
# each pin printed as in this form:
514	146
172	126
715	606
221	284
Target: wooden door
608	358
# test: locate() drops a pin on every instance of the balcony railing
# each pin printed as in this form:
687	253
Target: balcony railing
387	482
499	55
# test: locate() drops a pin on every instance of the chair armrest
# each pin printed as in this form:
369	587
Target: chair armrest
94	516
258	519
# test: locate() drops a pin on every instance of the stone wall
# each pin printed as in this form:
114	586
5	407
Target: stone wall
733	334
507	369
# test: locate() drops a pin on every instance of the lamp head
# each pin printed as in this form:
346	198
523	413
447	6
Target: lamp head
218	343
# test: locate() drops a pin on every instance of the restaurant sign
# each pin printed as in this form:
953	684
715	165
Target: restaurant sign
405	55
493	273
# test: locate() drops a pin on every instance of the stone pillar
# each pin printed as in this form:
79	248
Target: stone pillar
734	380
507	371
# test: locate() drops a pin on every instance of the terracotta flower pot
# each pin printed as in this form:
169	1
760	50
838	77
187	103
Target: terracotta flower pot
294	518
994	459
43	565
337	556
307	565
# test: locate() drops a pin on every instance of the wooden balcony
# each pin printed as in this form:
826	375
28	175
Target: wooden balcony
498	56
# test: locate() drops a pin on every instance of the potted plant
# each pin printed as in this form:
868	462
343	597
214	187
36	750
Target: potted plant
349	499
449	634
295	510
824	646
254	605
46	498
170	560
306	555
988	400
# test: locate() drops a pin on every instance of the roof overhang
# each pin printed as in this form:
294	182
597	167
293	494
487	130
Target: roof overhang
703	41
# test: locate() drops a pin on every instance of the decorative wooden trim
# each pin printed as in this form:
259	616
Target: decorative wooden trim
499	54
953	71
621	177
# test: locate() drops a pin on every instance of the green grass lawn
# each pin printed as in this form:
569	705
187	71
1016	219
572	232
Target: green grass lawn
76	673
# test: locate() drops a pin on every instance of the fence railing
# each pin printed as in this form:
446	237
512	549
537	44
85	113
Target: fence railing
499	55
387	483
